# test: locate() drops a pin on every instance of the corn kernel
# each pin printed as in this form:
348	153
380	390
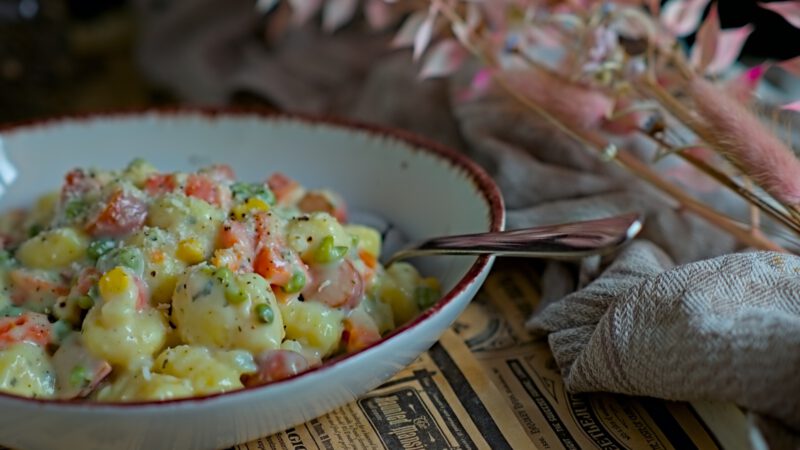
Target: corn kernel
115	282
190	251
252	204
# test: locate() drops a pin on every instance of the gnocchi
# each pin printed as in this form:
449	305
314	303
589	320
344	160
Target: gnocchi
137	284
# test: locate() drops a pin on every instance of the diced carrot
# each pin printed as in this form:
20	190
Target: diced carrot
232	233
369	259
161	183
28	327
220	173
272	266
86	279
323	201
28	287
123	214
359	333
275	365
77	183
282	186
206	189
157	256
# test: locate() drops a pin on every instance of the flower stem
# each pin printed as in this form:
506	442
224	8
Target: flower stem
598	143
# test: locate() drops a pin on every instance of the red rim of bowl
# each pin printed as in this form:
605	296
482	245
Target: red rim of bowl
480	179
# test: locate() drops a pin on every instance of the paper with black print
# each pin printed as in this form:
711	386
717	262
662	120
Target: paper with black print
443	400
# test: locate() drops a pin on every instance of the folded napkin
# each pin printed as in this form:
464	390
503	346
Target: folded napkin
713	327
724	329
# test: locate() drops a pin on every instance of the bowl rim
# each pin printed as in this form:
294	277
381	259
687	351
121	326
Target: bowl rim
483	183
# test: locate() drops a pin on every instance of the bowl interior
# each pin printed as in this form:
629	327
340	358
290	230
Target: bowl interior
419	188
420	192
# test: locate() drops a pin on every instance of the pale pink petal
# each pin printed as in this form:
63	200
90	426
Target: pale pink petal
705	47
337	13
788	10
304	10
681	17
744	85
265	6
444	59
405	36
378	14
424	35
794	106
728	48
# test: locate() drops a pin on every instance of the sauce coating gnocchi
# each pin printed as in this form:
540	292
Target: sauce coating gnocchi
141	285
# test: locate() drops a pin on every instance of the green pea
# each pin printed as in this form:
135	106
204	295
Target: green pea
85	302
100	247
265	313
234	294
327	252
78	376
130	257
425	296
296	283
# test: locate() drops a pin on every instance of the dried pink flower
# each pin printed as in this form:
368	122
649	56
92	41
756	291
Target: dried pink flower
573	104
742	137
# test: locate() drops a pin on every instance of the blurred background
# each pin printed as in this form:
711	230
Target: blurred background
67	56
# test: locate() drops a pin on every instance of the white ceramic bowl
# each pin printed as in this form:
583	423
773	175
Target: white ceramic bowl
422	188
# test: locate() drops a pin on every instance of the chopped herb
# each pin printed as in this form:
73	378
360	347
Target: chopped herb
242	191
34	230
75	208
100	247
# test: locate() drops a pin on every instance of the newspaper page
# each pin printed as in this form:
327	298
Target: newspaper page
443	400
487	384
524	370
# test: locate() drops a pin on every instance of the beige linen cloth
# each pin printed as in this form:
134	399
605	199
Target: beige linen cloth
711	327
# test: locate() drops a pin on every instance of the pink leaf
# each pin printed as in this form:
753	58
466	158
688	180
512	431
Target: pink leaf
337	13
479	85
378	14
681	17
744	85
405	36
728	48
304	10
705	46
788	10
794	106
444	59
424	34
791	65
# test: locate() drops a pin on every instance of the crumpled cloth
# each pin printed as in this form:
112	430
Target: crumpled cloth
712	327
725	329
